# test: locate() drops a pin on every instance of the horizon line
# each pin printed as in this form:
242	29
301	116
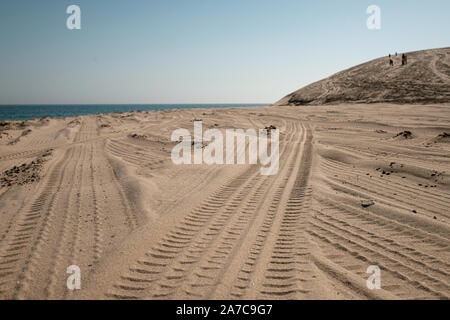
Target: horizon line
131	104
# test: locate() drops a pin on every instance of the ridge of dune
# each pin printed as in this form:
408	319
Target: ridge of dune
425	79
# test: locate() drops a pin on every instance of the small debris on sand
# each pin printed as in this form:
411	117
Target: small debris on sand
269	129
199	145
367	203
404	134
442	138
138	136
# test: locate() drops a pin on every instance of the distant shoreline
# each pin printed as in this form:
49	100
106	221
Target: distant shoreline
20	112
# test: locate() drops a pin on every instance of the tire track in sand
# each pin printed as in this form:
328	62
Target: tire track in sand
236	278
284	270
23	239
162	272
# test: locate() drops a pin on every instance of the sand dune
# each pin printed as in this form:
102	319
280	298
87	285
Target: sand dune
109	200
426	79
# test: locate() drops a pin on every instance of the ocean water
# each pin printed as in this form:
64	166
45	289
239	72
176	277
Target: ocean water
26	112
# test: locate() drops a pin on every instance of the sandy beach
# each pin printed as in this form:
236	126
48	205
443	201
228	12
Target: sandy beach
101	192
363	182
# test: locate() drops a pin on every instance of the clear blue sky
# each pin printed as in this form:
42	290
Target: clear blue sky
198	51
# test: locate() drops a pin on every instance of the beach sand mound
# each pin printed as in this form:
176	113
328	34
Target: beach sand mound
404	135
442	138
138	136
26	173
425	79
